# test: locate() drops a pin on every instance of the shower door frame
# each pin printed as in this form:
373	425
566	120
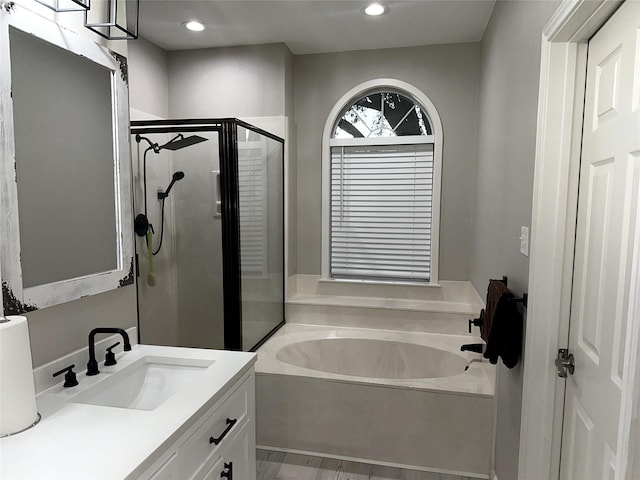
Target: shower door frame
227	129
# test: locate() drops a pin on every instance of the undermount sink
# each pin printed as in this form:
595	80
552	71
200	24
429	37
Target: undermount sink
145	384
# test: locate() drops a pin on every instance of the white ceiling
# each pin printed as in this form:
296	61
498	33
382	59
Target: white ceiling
313	26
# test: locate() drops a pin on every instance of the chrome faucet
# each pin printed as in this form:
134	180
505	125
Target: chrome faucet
92	366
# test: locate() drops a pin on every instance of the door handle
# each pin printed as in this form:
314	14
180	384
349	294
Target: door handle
230	423
565	363
228	471
217	197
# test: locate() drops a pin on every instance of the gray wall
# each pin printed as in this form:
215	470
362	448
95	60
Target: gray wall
262	86
504	184
291	165
58	331
148	78
200	83
62	329
449	76
149	100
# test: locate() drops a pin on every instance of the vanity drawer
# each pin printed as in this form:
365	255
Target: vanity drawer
218	429
215	472
236	462
168	470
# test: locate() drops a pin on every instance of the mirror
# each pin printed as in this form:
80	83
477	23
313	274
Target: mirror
66	228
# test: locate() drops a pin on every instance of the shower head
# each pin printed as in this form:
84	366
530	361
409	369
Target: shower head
181	141
176	177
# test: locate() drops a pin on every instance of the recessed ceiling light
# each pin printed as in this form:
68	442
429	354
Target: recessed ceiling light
193	25
375	9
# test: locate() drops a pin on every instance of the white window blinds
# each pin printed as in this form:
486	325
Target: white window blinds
381	211
253	214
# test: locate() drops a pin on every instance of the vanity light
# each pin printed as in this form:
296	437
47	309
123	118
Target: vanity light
65	5
193	25
113	19
375	9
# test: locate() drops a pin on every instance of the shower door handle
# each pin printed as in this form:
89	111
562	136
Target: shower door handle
217	200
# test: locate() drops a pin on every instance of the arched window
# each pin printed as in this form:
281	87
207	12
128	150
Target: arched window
382	113
382	186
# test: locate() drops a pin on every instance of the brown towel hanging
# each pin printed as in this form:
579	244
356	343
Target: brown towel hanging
502	326
495	291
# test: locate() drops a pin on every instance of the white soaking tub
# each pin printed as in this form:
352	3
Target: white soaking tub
395	398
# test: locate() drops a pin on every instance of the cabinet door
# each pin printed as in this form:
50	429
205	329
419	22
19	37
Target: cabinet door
168	470
215	472
217	430
240	458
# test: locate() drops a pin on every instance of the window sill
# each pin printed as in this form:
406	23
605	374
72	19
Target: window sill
446	297
404	283
382	303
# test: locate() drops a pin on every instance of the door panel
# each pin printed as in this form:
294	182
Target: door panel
608	465
595	243
198	246
629	227
608	201
260	210
607	88
581	442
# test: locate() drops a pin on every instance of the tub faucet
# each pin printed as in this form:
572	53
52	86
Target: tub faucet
92	366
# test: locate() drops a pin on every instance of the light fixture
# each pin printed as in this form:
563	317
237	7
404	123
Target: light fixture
193	25
375	9
113	19
65	5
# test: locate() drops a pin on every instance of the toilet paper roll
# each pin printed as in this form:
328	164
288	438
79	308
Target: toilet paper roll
18	409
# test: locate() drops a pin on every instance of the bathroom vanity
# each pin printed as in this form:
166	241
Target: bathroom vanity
160	413
220	444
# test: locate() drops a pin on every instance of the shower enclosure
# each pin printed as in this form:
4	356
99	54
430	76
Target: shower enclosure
210	236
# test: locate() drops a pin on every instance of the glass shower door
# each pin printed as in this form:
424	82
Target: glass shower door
180	292
217	277
261	222
198	246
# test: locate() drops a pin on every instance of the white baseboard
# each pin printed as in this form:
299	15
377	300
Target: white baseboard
374	462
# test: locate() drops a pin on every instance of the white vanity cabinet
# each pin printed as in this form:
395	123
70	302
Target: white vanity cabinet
198	415
220	445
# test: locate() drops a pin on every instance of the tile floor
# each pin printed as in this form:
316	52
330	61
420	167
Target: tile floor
273	465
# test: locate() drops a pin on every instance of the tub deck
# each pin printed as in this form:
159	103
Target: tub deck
435	424
479	379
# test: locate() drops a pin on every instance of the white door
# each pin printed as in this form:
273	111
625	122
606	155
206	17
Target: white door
608	200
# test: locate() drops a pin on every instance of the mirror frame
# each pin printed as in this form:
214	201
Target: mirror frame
16	298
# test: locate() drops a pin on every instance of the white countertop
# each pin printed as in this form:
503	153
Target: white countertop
79	441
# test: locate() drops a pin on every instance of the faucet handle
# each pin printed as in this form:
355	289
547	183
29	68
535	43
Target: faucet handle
110	357
69	378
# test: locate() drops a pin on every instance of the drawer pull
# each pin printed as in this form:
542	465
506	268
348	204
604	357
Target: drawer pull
228	471
230	424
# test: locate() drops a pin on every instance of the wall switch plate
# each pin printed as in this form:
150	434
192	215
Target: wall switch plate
524	241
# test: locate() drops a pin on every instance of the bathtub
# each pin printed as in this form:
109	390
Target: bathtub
411	400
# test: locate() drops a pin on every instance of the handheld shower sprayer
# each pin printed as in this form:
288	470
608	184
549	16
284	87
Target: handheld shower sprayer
162	196
142	225
176	177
